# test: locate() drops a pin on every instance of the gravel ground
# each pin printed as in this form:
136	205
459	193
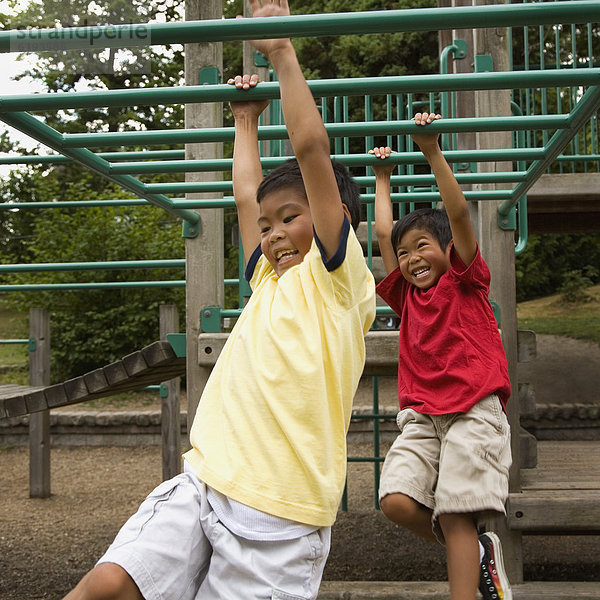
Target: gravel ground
47	545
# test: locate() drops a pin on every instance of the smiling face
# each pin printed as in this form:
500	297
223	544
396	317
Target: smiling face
286	228
421	259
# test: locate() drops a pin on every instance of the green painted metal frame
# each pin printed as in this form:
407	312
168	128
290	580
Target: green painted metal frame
116	167
385	21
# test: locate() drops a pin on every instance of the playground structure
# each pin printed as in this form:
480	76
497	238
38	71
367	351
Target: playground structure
530	117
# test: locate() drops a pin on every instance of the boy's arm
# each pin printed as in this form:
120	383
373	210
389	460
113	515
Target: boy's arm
454	200
247	171
306	131
384	219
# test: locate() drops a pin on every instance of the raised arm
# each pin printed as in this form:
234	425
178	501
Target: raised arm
306	130
247	171
384	219
454	200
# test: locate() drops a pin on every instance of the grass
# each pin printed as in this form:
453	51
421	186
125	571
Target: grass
13	325
551	315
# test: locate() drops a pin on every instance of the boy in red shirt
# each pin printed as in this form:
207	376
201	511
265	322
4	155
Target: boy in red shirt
449	465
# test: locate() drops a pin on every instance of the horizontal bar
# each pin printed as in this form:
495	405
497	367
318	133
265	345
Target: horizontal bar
369	181
278	132
93	266
40	287
358	86
17	159
312	25
350	160
228	201
72	204
225	164
14	341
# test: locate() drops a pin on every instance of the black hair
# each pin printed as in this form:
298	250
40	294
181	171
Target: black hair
433	220
288	175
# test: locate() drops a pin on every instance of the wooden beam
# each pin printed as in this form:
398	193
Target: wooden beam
555	511
39	422
204	253
170	427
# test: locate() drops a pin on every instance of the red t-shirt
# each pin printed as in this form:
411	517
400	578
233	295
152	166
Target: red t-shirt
451	354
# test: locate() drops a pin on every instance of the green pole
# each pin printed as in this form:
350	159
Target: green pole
359	86
270	132
383	21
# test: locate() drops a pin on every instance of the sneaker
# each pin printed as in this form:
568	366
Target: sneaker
493	582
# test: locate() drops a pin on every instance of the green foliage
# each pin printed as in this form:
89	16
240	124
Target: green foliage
366	55
91	328
541	268
575	282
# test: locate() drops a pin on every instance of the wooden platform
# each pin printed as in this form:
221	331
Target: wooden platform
151	365
438	590
562	495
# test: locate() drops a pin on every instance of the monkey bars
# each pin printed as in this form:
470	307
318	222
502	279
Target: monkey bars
541	136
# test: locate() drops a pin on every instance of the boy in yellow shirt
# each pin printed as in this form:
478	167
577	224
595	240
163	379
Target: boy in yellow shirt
250	517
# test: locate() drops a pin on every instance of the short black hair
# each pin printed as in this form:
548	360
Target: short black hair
288	175
433	220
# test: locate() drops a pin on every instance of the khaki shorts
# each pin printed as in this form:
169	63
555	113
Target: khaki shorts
175	548
456	463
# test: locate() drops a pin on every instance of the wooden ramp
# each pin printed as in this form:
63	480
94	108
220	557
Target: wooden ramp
150	365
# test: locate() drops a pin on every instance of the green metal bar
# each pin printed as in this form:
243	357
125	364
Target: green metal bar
358	86
428	196
585	108
40	287
93	266
186	166
48	136
418	180
522	226
181	203
228	201
71	204
383	21
112	156
14	341
270	132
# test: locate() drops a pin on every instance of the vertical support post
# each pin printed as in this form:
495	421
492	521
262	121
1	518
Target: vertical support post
498	249
170	422
39	422
204	253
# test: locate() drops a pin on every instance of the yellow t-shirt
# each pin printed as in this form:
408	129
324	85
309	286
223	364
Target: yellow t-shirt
270	429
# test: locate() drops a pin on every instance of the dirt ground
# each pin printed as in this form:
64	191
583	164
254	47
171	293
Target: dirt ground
47	545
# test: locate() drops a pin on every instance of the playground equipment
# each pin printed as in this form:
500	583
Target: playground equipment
530	117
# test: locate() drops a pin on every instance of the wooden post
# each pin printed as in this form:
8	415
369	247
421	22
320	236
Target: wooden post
498	249
39	422
204	253
170	422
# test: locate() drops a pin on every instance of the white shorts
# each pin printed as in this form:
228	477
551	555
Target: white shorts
455	463
175	547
